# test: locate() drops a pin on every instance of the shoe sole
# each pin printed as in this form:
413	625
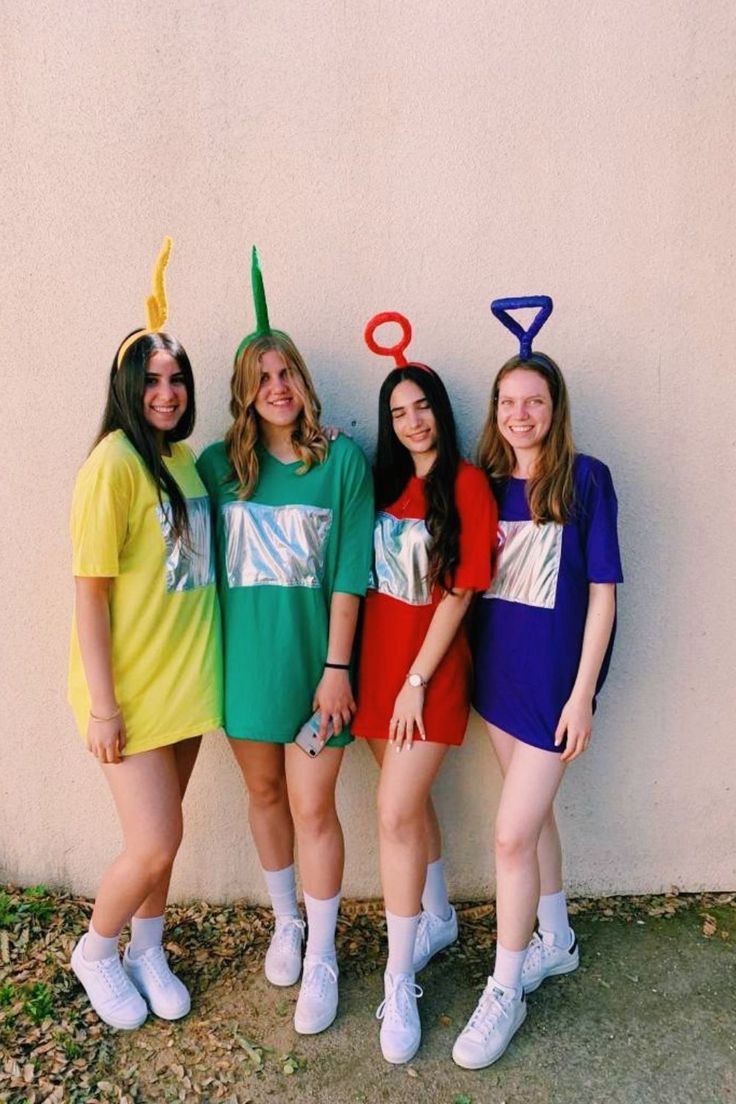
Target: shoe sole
494	1057
313	1029
419	964
555	971
401	1060
282	984
108	1019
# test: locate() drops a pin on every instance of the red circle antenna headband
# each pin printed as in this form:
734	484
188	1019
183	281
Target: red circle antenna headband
396	351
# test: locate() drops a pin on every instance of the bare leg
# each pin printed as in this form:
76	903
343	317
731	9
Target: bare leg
147	793
262	767
311	787
185	756
403	793
531	782
434	833
549	848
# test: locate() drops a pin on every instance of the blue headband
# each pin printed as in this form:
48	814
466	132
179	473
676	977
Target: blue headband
501	307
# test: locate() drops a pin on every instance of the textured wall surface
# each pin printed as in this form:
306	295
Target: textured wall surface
423	157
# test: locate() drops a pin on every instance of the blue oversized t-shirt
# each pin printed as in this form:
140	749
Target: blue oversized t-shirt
529	629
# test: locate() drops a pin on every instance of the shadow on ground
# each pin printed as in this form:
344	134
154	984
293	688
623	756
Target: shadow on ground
649	1017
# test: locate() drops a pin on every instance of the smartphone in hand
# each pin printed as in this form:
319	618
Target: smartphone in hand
308	739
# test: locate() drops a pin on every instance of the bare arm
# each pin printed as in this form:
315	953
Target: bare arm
442	630
105	738
576	719
334	695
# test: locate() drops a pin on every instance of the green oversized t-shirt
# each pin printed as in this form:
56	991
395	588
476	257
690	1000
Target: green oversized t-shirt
281	555
164	616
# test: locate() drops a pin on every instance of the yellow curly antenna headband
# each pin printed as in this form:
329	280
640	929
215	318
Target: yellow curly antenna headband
157	310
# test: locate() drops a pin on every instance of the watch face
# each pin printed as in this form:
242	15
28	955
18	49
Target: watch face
416	680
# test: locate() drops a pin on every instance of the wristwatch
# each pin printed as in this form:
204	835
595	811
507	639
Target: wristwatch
416	680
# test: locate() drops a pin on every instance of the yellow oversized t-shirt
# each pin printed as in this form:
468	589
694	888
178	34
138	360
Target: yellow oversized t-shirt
164	615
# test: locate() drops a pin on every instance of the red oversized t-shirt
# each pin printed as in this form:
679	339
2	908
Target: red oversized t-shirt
399	608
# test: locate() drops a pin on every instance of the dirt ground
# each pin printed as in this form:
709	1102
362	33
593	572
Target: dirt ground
649	1017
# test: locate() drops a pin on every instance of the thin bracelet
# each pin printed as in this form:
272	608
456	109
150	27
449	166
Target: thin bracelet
338	666
112	716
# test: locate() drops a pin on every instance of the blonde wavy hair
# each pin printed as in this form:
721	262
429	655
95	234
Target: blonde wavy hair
550	490
307	438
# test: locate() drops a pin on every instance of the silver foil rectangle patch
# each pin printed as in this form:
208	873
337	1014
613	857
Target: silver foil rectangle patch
275	545
401	559
189	562
528	563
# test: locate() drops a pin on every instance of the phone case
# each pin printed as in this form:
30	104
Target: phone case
307	738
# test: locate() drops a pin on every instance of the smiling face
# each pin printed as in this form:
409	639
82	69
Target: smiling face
414	424
279	401
165	395
524	412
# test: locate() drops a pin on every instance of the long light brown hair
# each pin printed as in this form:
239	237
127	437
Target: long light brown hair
550	489
307	438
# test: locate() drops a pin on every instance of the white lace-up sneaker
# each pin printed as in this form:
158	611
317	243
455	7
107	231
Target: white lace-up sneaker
401	1031
111	993
151	974
498	1016
283	963
544	958
433	935
316	1006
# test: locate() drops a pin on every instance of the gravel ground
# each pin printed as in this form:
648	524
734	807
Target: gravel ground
649	1017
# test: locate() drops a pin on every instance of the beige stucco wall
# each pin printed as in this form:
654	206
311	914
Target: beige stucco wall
420	156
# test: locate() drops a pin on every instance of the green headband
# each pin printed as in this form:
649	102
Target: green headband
263	326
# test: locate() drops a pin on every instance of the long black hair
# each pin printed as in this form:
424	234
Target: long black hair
124	410
394	468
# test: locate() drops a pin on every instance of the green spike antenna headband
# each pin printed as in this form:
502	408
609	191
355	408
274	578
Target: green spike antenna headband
263	326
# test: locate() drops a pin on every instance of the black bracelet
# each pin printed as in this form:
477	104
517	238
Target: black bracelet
338	666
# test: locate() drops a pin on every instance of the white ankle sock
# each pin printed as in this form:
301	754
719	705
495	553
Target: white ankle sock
552	917
322	920
434	896
96	946
281	885
507	968
145	932
402	933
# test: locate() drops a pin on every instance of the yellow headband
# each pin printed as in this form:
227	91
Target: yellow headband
157	310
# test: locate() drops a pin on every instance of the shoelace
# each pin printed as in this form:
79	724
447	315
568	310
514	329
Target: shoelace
423	936
290	931
534	953
395	1005
154	960
489	1011
112	973
316	975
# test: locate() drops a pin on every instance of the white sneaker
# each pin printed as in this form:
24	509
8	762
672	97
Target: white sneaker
401	1031
498	1016
433	935
316	1005
544	958
151	974
111	993
283	963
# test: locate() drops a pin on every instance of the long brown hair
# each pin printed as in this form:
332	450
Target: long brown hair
394	468
550	489
124	410
241	439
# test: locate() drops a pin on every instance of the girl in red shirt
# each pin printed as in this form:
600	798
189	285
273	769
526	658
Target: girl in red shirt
434	530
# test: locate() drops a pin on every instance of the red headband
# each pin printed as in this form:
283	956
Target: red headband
397	350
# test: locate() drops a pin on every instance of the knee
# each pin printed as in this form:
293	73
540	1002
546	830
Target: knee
158	857
313	817
397	823
268	792
515	843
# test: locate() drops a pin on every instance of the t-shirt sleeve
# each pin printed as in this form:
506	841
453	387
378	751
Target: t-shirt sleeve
355	525
602	553
478	523
208	472
99	518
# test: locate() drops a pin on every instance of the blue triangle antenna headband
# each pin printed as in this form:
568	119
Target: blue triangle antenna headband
501	307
